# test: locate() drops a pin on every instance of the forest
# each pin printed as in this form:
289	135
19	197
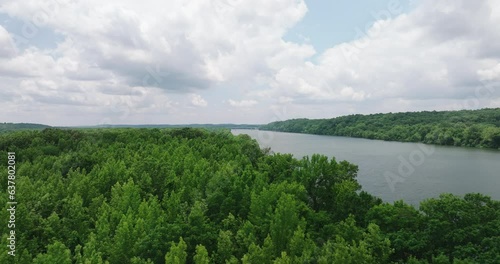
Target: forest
467	128
198	196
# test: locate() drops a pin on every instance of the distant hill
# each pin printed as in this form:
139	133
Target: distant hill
207	126
471	128
8	127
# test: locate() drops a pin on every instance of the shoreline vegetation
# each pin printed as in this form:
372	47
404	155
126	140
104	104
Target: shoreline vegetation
142	196
464	128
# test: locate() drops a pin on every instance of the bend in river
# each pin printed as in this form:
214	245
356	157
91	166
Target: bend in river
394	170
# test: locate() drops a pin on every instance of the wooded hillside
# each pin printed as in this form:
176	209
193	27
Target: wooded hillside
469	128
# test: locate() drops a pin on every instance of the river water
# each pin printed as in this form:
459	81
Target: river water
394	170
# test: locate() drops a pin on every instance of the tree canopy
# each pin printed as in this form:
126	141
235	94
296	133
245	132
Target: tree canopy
197	196
468	128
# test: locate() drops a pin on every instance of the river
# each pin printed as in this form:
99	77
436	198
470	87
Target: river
394	170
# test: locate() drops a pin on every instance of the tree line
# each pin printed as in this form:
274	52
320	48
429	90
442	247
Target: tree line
9	127
467	128
197	196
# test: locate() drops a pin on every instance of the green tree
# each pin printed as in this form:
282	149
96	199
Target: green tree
57	252
257	254
283	259
224	246
302	248
201	255
285	221
177	253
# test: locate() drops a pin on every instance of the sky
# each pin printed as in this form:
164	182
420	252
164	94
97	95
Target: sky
75	62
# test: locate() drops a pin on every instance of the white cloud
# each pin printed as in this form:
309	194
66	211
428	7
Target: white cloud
242	103
440	50
195	43
134	61
490	74
6	47
197	100
110	50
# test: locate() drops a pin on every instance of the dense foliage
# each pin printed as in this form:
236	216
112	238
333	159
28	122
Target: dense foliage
193	196
471	128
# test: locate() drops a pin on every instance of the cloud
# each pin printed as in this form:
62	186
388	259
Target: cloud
132	61
491	74
6	47
180	47
439	50
242	103
111	50
197	100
